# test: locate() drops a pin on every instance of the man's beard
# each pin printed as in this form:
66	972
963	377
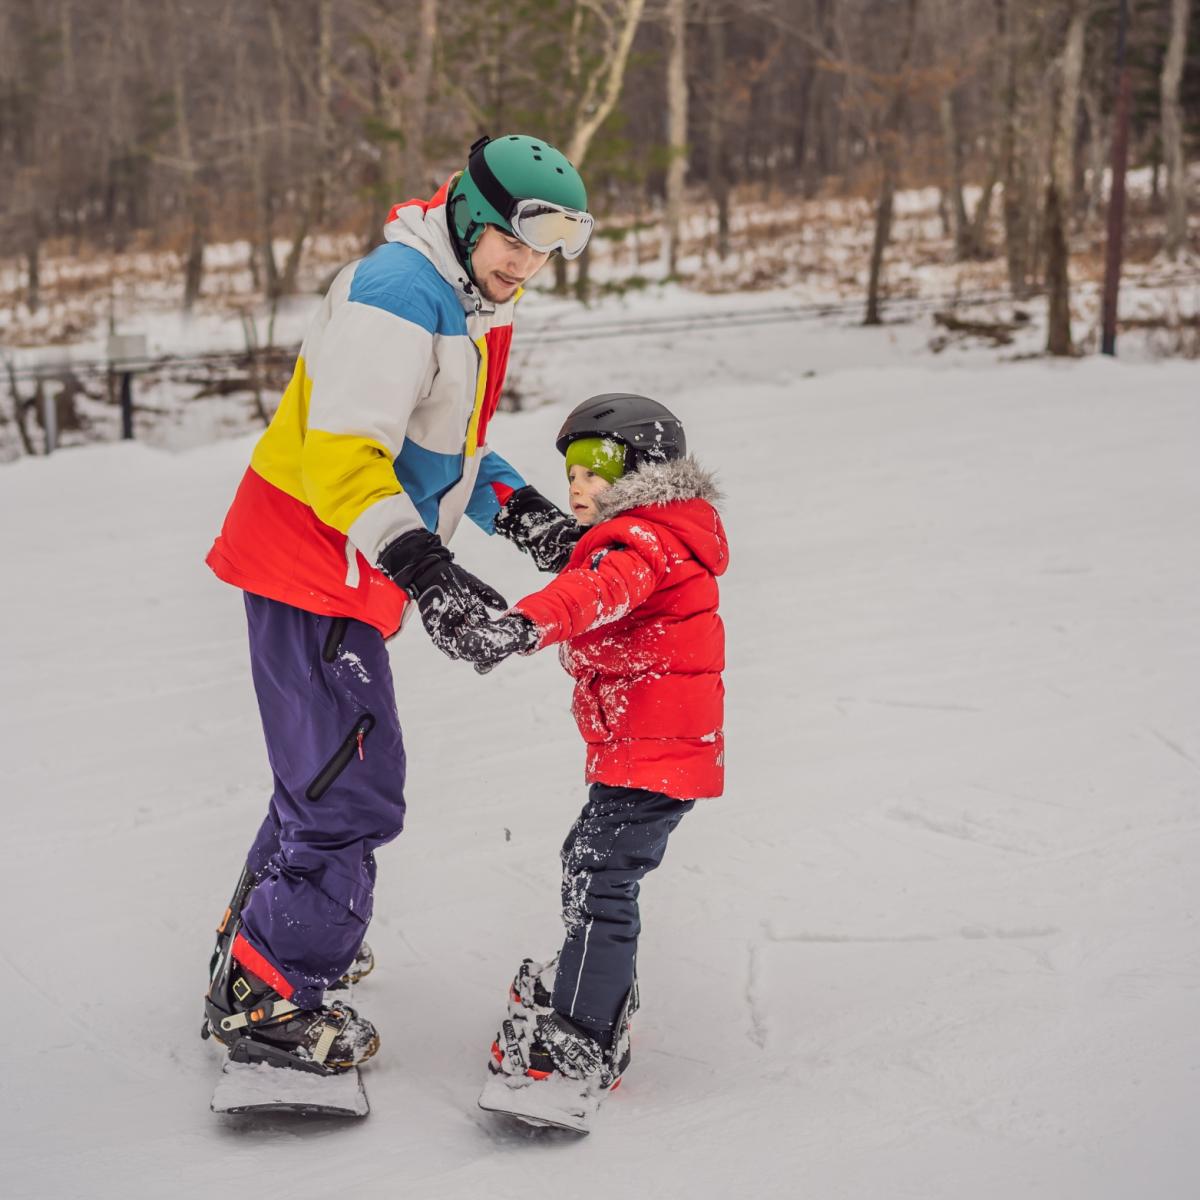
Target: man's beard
486	291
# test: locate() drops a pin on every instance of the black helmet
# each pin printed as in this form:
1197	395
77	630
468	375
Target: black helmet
646	428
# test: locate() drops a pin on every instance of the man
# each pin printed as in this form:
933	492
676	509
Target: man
378	449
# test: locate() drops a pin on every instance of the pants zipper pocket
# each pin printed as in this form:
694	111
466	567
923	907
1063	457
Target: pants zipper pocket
352	745
334	639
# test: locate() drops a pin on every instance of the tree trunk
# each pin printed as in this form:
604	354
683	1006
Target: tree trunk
33	259
1062	177
883	231
1016	253
718	166
1172	129
583	280
598	97
263	266
1058	333
676	129
977	238
960	226
416	175
817	155
1114	247
603	88
316	189
1063	161
1097	153
889	150
193	268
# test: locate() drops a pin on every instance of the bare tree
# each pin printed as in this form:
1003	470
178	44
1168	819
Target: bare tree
599	88
1061	180
716	99
888	141
186	162
1172	129
320	93
677	120
179	122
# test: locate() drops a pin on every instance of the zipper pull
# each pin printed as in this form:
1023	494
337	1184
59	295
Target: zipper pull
361	755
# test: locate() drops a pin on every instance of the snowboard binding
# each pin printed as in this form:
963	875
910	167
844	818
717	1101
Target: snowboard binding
258	1025
545	1071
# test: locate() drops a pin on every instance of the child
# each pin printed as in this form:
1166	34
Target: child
635	611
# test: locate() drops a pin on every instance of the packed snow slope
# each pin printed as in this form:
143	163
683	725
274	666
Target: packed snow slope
939	939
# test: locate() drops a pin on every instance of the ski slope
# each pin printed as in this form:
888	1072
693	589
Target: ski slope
939	939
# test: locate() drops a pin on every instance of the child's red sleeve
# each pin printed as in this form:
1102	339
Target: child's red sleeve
616	580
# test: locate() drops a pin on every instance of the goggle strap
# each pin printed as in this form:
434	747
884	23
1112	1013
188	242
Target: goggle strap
492	190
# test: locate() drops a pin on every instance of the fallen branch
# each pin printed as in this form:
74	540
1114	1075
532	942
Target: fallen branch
1000	333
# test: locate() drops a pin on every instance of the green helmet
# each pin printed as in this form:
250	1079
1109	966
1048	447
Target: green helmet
502	172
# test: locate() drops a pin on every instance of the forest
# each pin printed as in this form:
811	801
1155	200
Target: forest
136	125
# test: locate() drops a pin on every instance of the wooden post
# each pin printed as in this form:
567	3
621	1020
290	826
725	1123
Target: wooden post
1116	202
127	405
125	352
49	417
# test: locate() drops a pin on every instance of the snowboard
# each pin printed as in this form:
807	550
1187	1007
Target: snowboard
554	1103
261	1088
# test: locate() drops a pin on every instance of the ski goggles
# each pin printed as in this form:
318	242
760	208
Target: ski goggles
544	227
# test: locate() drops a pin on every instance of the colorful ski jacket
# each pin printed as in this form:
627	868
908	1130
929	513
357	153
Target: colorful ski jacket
636	611
382	430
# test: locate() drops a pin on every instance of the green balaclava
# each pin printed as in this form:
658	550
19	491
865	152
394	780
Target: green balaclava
601	455
525	167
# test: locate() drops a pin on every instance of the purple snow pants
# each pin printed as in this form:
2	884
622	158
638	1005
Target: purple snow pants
328	707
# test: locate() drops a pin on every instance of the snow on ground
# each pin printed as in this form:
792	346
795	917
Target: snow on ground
939	939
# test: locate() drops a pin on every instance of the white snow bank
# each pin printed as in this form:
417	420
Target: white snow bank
939	939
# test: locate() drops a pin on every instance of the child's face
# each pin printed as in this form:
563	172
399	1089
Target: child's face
585	487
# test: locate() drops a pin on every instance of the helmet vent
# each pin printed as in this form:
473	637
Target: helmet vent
559	170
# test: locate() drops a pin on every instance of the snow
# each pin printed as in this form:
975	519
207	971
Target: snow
938	939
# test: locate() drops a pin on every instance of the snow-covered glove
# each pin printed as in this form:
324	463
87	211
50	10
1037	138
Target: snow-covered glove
486	643
539	527
448	597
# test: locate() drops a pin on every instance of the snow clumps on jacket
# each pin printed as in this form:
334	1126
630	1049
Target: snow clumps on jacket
636	612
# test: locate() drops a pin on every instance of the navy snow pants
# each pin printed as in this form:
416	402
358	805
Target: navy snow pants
328	705
620	835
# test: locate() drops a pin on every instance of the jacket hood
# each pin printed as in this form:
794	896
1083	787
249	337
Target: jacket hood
422	225
684	496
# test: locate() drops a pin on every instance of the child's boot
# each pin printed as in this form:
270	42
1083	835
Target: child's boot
546	1070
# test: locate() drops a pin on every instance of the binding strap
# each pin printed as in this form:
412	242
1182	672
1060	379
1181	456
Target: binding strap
325	1042
268	1010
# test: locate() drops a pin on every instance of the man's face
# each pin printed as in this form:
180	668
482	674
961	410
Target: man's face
501	264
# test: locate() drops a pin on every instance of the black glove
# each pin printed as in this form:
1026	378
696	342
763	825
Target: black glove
533	524
447	596
488	642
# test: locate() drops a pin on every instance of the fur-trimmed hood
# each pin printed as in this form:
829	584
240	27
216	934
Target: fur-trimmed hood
682	496
659	483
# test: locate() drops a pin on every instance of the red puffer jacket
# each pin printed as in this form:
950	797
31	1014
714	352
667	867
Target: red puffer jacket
636	608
